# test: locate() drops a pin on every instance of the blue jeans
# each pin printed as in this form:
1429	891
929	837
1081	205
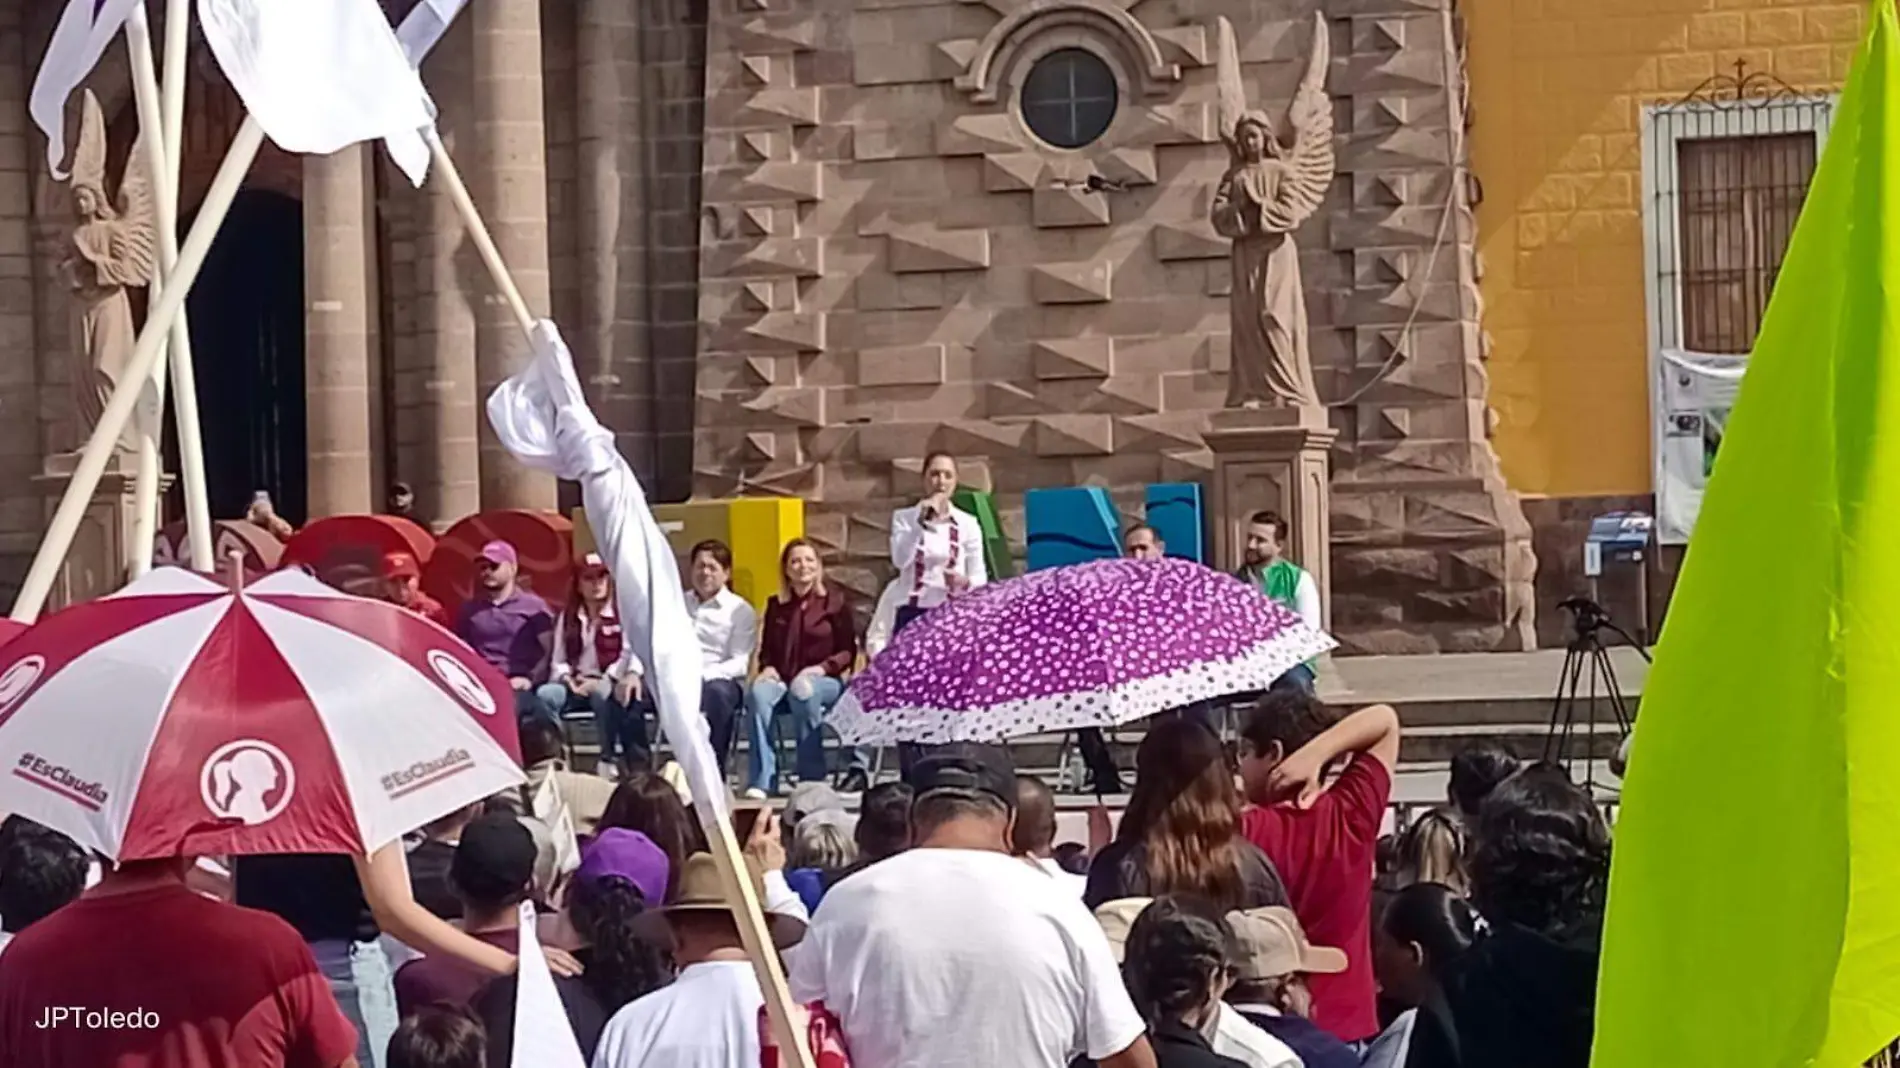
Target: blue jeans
765	700
361	979
623	728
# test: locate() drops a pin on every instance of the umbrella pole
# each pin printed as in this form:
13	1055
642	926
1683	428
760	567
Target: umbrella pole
125	395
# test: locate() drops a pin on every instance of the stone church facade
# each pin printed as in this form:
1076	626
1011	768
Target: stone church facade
798	244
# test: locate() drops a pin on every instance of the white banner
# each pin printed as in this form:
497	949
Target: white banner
1698	389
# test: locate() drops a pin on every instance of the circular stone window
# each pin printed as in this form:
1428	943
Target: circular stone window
1069	98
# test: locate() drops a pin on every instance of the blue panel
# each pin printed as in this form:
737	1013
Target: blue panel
1174	510
1070	526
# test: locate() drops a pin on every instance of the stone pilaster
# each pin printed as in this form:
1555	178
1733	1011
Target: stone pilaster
507	172
339	313
611	337
430	277
20	442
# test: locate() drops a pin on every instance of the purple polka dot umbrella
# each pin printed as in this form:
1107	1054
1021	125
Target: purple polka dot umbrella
1093	645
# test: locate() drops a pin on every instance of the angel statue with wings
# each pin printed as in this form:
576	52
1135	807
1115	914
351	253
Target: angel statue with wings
1270	188
114	248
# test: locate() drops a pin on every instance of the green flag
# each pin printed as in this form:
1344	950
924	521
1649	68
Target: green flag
1754	914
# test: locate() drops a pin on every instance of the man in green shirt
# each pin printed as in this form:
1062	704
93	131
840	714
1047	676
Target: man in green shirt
1267	568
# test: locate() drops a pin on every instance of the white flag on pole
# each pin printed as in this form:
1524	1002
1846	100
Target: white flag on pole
421	30
542	417
85	29
318	77
543	1036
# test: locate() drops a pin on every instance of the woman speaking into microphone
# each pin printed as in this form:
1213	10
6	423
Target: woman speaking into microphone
937	549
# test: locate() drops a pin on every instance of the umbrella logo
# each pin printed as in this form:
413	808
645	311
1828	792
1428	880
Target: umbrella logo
461	682
248	781
19	678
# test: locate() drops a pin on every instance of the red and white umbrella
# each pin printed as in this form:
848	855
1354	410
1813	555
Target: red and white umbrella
182	717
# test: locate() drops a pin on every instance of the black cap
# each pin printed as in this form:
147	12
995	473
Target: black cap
494	862
967	766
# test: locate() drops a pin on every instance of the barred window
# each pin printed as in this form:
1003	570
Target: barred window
1737	202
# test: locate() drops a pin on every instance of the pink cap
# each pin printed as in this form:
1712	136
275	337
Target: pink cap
500	552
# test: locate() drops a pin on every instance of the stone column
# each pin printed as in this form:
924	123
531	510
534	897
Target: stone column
610	342
339	314
507	172
1275	459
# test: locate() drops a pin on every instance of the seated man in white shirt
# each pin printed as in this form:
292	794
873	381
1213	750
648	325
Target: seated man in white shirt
956	953
709	1016
728	628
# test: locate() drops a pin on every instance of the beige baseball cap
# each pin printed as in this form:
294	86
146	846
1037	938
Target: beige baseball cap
1272	944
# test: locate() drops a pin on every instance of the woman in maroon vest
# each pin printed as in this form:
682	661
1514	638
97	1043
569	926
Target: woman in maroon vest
593	669
807	644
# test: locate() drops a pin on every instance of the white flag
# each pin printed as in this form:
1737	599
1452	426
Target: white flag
421	30
543	1036
84	31
318	76
424	27
543	419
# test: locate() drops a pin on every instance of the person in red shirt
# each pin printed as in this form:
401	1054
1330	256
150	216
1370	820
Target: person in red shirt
1321	831
403	578
143	972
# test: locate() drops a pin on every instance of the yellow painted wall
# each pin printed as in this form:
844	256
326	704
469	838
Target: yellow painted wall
1557	88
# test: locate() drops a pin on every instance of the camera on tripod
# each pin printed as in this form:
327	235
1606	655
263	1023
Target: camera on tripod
1589	615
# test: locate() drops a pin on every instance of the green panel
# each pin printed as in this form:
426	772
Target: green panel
982	505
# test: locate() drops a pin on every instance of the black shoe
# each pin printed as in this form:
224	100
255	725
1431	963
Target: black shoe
854	781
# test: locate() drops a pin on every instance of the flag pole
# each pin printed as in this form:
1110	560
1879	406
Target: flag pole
478	230
184	378
125	395
728	856
145	504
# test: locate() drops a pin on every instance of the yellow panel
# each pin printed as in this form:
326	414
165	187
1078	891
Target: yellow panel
760	528
756	528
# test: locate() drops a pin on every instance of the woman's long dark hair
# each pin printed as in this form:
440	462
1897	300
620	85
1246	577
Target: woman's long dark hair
621	964
1185	815
1433	917
1542	859
1177	949
647	803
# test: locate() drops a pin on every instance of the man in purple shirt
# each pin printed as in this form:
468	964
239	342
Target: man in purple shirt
506	625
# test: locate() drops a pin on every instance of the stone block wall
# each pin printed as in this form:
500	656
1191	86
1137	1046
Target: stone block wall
895	264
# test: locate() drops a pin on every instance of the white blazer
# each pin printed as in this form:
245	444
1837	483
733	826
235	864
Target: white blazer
924	553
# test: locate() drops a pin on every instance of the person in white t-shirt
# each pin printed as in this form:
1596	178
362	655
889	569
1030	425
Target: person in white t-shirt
728	631
956	953
709	1016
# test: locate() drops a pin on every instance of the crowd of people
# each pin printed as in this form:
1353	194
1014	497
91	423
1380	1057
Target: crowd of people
1248	909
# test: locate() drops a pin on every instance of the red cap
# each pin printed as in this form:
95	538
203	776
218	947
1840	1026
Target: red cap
401	565
592	564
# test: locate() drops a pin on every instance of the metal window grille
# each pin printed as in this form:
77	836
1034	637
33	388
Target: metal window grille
1725	172
1736	206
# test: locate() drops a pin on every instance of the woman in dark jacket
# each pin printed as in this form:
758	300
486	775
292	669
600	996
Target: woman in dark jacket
1181	832
1525	992
808	643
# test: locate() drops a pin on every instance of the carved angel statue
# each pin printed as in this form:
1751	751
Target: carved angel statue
114	248
1271	186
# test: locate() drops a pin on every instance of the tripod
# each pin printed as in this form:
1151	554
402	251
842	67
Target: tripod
1586	658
